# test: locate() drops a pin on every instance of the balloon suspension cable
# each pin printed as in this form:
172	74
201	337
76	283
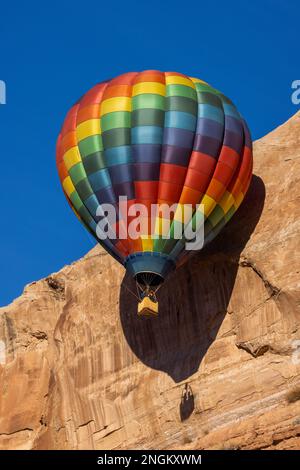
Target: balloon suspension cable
146	289
131	292
157	288
143	290
140	290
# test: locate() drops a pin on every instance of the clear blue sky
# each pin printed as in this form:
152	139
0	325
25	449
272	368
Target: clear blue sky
52	53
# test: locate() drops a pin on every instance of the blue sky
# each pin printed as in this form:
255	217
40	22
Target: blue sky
51	54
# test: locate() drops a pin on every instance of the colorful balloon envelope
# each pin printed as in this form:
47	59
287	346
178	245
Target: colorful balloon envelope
154	139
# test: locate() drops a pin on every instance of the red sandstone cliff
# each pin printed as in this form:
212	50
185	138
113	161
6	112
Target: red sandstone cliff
83	372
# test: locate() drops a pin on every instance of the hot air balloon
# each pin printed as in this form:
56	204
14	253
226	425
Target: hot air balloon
153	138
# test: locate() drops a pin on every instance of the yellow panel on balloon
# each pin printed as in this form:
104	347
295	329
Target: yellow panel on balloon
149	87
179	213
197	80
71	157
120	103
147	243
178	80
227	202
207	205
184	213
68	186
239	200
88	128
162	227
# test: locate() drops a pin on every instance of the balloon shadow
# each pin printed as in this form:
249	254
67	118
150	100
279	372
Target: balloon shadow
193	301
187	403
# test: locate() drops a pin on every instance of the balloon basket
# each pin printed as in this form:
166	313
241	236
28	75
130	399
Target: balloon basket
147	308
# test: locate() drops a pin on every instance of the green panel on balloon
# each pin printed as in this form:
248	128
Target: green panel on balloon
116	137
84	189
90	145
181	90
148	101
77	173
94	162
76	201
216	215
148	117
179	103
115	120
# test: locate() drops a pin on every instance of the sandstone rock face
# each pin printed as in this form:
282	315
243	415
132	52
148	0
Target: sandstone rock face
219	368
